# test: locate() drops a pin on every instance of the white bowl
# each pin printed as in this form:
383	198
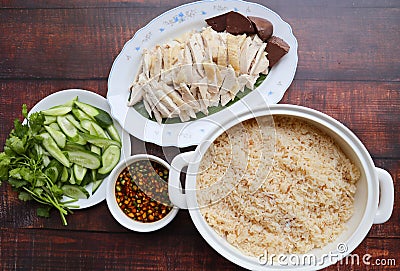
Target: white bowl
373	200
94	99
116	211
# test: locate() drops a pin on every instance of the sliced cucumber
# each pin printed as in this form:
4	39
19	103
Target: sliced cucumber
113	132
95	149
64	175
46	160
86	159
96	185
109	159
57	110
51	146
93	128
71	102
100	132
74	122
68	128
52	173
87	125
100	142
71	146
75	191
80	115
101	116
79	173
87	179
101	176
79	140
54	170
55	126
58	136
49	119
71	177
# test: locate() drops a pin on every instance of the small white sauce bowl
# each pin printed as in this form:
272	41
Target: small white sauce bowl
116	211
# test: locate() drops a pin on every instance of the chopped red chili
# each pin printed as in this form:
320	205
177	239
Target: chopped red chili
141	191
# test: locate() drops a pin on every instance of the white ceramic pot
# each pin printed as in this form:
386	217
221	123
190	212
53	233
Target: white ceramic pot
373	202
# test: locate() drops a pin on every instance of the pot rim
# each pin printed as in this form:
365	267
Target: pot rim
330	124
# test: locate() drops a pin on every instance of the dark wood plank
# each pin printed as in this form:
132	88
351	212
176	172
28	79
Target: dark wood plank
341	43
74	4
173	3
61	250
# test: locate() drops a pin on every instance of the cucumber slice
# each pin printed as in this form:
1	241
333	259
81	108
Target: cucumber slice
55	126
93	128
95	149
96	185
75	191
58	136
80	115
79	173
101	176
49	119
101	116
74	122
87	179
52	173
72	177
57	110
54	170
51	146
71	102
79	140
112	131
86	159
100	132
87	125
46	160
100	142
109	159
71	146
64	175
67	127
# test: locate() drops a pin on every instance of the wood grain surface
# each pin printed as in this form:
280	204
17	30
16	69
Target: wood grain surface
349	68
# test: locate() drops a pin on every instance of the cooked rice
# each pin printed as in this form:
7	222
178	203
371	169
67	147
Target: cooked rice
287	192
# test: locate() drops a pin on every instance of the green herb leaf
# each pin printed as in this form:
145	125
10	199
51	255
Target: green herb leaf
16	144
24	196
57	191
16	182
24	111
20	130
43	211
36	122
4	166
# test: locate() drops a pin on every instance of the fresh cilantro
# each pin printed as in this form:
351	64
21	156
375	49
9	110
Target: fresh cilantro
21	164
43	211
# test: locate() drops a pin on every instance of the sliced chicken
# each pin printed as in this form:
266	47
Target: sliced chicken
260	53
234	44
195	71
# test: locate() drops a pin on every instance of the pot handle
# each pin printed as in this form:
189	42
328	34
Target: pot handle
386	196
175	192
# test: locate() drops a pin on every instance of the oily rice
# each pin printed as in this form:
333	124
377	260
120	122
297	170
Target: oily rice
283	192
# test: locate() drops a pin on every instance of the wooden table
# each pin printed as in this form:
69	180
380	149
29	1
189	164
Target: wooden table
348	68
